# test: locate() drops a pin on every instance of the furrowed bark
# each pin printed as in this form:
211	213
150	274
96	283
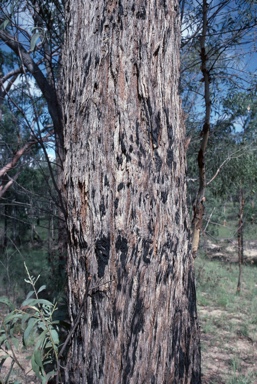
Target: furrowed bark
130	268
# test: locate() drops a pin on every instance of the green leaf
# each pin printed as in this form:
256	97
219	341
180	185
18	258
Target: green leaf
33	302
12	317
31	325
38	356
41	340
42	325
34	39
30	294
3	338
6	301
5	24
49	376
55	336
35	366
42	288
15	342
25	318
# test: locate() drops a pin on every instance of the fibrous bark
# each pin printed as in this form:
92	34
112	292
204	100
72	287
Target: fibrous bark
130	268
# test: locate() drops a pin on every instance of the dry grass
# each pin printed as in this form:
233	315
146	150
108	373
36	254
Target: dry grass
228	320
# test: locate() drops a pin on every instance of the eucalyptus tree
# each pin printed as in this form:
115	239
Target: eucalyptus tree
215	34
32	31
130	266
31	35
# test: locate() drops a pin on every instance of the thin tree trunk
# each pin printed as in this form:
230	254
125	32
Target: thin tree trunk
130	269
5	226
199	208
240	238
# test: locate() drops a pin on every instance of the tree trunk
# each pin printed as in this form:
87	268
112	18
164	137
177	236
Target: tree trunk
240	237
130	269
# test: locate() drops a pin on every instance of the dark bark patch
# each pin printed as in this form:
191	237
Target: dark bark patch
164	196
116	315
146	251
87	61
95	322
119	159
182	361
138	318
90	377
142	150
121	246
175	247
168	272
137	133
127	371
141	13
158	162
122	144
170	158
120	9
156	128
133	214
102	208
119	279
177	217
120	187
97	60
140	199
169	126
102	250
164	4
106	181
128	157
116	203
158	278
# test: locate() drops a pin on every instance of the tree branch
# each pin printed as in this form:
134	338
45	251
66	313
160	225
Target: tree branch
47	90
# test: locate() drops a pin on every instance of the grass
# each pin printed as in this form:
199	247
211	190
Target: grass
228	322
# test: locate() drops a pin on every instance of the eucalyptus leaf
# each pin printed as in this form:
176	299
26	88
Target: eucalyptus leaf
41	339
15	342
6	301
31	325
3	338
42	288
34	40
30	294
33	302
12	317
5	24
35	366
25	318
55	336
38	356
